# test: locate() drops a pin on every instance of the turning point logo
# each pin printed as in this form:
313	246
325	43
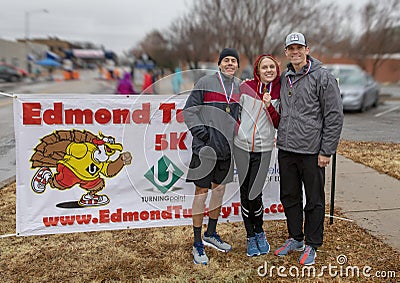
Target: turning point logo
164	174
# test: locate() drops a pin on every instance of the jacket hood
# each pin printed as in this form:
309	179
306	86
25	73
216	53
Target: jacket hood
256	83
315	63
127	76
257	62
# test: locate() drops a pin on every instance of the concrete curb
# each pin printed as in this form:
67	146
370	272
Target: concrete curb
7	182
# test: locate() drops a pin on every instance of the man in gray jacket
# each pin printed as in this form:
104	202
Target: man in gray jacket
308	135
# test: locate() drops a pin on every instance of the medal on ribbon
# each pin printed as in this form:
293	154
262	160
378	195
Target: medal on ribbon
228	97
291	84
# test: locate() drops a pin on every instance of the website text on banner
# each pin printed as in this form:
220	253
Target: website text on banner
110	162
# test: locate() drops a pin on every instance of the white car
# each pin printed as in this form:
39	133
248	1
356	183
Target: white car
358	89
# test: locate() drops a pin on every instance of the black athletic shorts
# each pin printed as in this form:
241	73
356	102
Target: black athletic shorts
209	171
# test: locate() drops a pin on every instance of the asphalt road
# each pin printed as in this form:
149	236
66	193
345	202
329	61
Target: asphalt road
7	140
377	124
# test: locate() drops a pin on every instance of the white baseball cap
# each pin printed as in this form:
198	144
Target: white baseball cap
295	38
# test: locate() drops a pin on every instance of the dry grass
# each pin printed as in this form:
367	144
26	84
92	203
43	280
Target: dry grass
164	254
381	156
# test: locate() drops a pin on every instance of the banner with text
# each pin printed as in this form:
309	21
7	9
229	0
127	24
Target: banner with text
107	162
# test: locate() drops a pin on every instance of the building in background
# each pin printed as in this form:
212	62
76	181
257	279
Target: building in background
16	53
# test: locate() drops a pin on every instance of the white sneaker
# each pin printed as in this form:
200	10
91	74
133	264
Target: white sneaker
199	255
93	200
40	180
215	242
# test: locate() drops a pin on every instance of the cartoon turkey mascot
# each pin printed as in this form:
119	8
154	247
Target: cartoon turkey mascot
80	158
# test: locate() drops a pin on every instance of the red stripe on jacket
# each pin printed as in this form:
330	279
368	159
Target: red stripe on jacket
211	96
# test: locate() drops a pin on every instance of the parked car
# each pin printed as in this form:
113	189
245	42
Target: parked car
358	89
10	73
20	70
23	72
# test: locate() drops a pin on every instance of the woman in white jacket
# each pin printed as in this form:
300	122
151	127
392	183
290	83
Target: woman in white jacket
259	102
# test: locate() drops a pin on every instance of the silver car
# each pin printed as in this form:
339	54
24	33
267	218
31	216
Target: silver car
358	89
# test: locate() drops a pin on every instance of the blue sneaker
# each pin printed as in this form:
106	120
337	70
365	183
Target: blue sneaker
308	256
252	249
215	242
290	245
199	255
262	243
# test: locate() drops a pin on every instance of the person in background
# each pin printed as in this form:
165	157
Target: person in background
36	73
147	86
132	71
259	104
29	68
308	135
110	65
158	74
247	73
177	80
69	68
211	112
125	85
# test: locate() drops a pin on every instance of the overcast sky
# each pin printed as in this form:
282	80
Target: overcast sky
117	24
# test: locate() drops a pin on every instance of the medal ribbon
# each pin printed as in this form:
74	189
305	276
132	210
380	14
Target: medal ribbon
261	91
228	98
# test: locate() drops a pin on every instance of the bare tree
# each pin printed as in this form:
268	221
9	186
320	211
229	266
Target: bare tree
255	26
328	30
379	20
158	48
260	26
191	40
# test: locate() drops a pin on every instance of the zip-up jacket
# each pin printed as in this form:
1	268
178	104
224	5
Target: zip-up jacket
209	116
311	111
256	132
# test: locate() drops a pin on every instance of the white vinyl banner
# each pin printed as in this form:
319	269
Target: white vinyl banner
107	162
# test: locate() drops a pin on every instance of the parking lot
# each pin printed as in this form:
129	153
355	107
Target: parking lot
376	124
